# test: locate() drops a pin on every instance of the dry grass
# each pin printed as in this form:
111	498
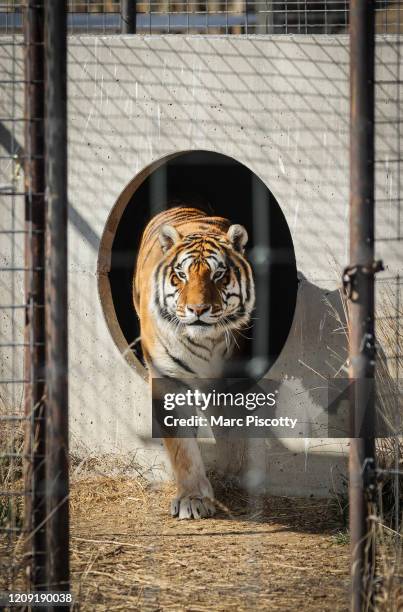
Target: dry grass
388	582
387	516
11	507
11	451
389	331
389	335
268	554
387	528
264	554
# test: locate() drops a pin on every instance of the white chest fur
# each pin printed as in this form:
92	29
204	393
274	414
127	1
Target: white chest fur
176	353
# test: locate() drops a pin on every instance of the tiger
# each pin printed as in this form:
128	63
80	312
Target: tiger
193	292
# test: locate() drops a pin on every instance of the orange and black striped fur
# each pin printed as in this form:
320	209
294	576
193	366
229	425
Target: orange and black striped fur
193	291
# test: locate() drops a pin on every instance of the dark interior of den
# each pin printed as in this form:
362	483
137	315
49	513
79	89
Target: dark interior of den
221	186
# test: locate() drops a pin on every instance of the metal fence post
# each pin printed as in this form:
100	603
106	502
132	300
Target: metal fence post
128	14
56	296
360	276
34	359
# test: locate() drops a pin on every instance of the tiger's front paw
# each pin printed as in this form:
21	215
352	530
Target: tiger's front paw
194	500
189	507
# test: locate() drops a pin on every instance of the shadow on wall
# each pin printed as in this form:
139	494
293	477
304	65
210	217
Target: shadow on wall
317	346
316	349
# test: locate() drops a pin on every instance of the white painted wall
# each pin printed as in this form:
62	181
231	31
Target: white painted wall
280	106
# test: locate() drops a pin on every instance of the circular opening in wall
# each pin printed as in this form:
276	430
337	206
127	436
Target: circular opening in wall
223	187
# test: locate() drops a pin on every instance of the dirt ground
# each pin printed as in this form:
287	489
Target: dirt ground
267	554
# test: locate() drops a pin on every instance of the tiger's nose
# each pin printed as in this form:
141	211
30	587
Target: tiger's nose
198	309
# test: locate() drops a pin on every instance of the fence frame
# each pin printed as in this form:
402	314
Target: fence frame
46	358
34	358
359	277
128	16
57	434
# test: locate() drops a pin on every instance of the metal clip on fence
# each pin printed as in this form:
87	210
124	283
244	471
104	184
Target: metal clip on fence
370	478
350	277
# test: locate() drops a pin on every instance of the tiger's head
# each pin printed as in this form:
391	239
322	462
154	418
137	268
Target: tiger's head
203	283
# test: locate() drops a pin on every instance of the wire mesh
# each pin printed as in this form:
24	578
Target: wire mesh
182	17
22	215
13	305
389	311
212	16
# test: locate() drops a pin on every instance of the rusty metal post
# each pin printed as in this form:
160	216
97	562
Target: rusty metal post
360	275
56	296
128	15
34	361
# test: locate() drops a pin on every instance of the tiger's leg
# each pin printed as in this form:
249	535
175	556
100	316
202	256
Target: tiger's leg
194	492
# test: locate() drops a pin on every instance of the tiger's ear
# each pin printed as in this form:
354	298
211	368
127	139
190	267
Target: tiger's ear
238	237
168	236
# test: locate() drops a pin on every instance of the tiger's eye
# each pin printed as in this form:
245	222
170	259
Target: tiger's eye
218	274
180	274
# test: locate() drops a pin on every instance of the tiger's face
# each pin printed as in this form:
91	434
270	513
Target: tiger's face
204	284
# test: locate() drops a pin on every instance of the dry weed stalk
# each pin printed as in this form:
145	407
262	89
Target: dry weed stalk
386	516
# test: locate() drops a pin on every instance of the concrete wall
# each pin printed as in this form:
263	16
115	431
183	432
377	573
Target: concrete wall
280	106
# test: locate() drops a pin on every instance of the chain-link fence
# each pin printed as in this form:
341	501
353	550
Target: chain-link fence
26	511
388	287
211	17
25	440
17	273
